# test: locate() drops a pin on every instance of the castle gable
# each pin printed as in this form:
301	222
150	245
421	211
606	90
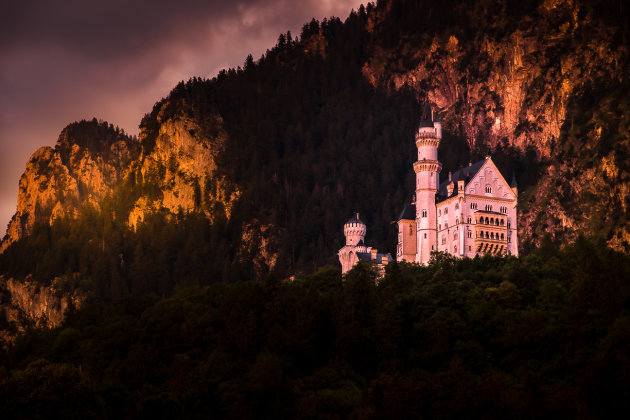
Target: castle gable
488	181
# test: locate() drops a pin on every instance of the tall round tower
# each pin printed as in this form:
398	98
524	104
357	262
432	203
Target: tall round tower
354	229
427	170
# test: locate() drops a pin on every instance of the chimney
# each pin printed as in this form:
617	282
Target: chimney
449	188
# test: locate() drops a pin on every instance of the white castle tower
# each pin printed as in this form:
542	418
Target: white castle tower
427	169
354	230
355	248
473	212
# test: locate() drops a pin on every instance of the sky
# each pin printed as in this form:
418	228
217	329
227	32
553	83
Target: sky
67	60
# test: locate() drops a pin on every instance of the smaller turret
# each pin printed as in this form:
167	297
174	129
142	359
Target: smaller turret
354	230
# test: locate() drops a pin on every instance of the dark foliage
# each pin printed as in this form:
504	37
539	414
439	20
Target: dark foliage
545	335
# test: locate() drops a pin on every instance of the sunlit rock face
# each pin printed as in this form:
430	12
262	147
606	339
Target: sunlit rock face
91	160
88	162
512	84
26	303
182	167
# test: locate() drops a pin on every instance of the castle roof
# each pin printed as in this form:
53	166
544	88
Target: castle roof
513	183
355	219
490	212
464	174
367	256
427	116
408	212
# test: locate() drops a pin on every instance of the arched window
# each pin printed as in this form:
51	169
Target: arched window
445	225
440	226
424	213
469	234
488	189
457	220
492	220
446	210
491	235
502	222
456	206
455	248
502	236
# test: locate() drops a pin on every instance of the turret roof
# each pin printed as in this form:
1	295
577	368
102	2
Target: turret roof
367	256
408	212
355	219
427	116
513	183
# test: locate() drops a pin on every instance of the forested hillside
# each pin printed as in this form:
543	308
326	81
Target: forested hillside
546	335
255	171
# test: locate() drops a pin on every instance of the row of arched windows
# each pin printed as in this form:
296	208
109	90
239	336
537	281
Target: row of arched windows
491	221
491	235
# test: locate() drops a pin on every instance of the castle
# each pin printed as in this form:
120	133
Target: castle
471	213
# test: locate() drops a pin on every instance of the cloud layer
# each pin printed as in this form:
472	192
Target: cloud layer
67	60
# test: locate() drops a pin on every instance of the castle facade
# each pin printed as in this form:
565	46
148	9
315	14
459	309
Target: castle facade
472	212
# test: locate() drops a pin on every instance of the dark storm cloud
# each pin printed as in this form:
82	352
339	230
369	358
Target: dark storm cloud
65	60
115	27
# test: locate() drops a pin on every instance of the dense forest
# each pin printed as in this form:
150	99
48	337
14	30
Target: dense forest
544	335
180	321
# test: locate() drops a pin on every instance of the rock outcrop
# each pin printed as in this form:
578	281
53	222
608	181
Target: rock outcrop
181	167
27	303
87	163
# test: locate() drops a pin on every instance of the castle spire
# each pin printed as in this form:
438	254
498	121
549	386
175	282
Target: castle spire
513	183
427	115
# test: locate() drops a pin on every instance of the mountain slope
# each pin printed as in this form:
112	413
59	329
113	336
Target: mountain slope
267	161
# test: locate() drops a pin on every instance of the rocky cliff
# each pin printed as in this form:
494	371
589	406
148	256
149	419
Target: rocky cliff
172	173
179	162
87	163
507	80
27	303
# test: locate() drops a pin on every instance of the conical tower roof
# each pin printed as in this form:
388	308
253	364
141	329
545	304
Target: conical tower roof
427	116
355	219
